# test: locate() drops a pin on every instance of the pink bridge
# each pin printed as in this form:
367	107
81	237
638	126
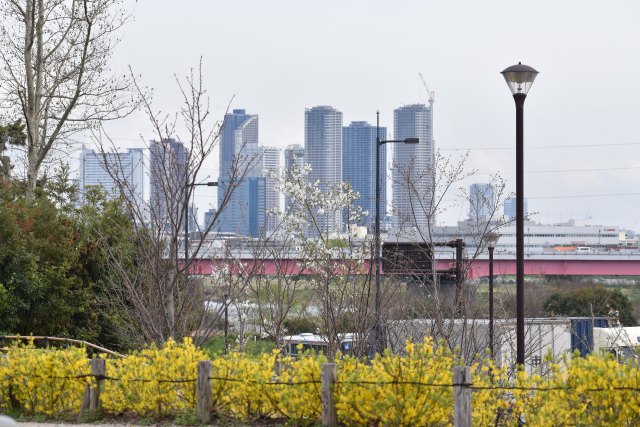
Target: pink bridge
615	264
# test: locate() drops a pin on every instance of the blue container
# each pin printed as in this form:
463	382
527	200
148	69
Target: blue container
582	332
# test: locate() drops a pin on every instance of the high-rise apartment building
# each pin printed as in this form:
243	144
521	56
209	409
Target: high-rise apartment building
413	174
113	172
482	202
359	167
241	171
294	158
323	150
208	217
271	164
510	208
238	141
167	167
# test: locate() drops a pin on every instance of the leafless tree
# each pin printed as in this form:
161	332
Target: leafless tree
153	289
449	310
278	296
55	71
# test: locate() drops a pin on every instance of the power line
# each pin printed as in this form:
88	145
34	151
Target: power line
571	196
567	170
585	170
580	196
542	146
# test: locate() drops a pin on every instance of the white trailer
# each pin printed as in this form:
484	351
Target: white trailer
544	337
622	342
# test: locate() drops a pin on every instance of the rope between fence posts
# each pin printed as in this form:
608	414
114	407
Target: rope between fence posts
379	383
587	390
265	382
106	377
53	377
398	383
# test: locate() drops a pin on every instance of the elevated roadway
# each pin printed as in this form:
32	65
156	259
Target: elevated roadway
561	264
557	264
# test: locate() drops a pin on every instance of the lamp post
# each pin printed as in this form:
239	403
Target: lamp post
519	78
379	342
492	239
186	218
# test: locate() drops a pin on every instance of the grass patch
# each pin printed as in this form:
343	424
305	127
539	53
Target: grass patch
254	347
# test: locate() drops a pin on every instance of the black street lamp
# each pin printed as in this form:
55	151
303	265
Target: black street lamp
519	78
492	239
378	335
186	218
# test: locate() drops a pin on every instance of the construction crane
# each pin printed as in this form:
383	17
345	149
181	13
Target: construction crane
430	94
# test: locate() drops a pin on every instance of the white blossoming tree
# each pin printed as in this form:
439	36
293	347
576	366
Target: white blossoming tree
337	276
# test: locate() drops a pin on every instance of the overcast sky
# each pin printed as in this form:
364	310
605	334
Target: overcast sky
276	58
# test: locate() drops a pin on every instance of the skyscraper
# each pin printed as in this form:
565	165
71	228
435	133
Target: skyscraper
271	163
482	202
240	170
98	170
359	166
238	141
167	167
510	208
413	174
294	158
208	217
323	149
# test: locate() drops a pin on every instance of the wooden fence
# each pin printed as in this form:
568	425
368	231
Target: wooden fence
91	404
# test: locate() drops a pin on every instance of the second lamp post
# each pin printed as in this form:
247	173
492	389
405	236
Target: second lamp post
492	239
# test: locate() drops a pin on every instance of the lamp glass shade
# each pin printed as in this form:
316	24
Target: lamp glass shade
491	239
519	78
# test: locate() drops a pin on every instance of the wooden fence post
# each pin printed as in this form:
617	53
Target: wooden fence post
329	415
204	391
462	396
98	370
91	404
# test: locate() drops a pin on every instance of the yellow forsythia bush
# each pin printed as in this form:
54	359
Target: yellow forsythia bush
43	381
492	402
374	394
241	393
268	387
594	391
415	389
302	399
154	381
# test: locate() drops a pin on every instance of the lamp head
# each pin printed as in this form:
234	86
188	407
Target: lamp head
411	140
491	239
519	78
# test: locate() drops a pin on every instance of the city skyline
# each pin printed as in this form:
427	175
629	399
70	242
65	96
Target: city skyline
245	133
582	153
